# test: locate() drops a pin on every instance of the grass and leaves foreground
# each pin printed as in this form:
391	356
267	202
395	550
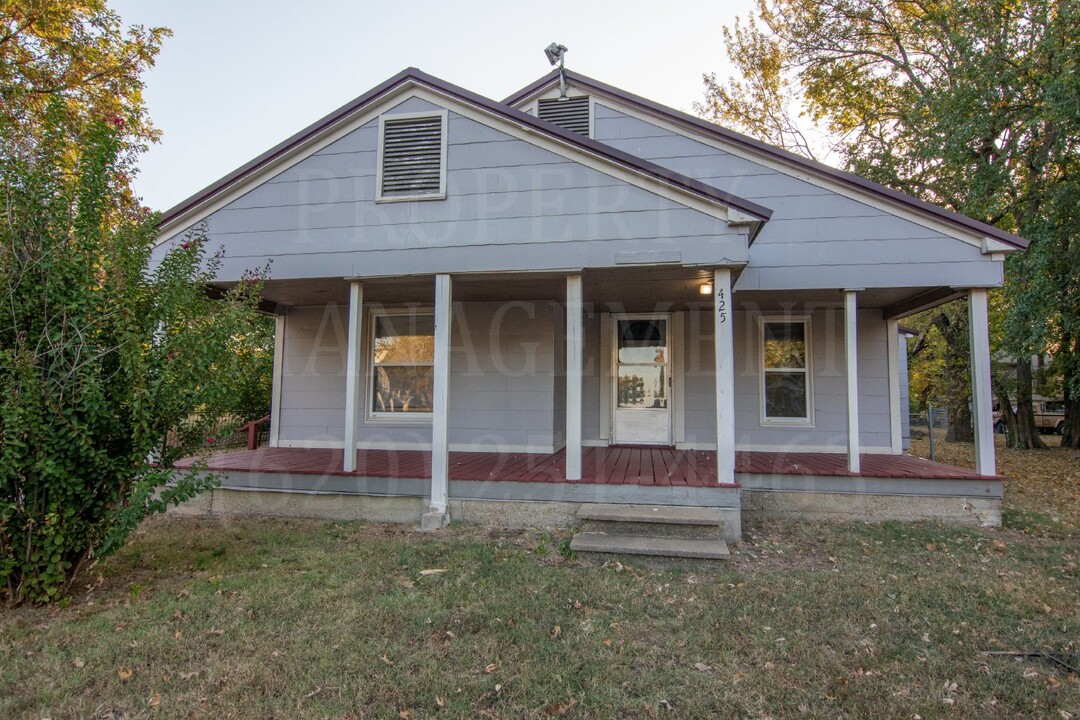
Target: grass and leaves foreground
264	618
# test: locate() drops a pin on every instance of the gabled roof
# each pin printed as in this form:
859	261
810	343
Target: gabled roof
707	128
417	77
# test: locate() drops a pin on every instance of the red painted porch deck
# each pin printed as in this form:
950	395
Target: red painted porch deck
619	465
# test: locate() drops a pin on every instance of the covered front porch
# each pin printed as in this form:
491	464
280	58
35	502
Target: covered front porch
530	379
614	465
531	489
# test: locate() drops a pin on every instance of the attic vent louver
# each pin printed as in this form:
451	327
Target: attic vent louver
412	157
571	114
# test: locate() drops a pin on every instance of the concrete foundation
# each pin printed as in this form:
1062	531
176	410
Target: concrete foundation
977	511
390	509
972	503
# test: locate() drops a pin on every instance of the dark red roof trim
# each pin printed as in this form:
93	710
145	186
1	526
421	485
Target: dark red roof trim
419	77
784	156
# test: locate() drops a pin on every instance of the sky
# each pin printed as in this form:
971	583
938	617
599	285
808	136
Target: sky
239	76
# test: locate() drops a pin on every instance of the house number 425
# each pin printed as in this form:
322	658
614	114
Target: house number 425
721	306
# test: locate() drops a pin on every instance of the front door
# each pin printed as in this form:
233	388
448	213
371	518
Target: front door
642	380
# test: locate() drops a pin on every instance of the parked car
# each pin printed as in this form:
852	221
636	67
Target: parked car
1049	417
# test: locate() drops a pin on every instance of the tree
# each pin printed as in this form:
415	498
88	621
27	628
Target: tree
75	51
101	358
110	369
942	347
971	105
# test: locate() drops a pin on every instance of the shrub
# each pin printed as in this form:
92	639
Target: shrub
102	357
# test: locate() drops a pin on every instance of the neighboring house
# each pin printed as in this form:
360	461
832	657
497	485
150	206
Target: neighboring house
597	299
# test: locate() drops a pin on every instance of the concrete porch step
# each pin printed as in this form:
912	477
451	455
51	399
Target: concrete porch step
666	514
594	542
673	521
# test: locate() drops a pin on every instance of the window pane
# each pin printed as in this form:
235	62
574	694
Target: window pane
642	341
785	395
642	386
404	338
403	389
785	345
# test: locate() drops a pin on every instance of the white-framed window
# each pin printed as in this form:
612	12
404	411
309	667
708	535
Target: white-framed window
787	394
402	364
412	157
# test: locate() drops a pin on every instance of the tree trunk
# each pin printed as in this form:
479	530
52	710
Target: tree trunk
952	324
960	425
1027	435
1008	415
1070	436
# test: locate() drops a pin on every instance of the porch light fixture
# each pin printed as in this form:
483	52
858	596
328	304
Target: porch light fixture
705	289
556	54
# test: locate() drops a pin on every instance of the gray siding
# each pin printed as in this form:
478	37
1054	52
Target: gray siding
502	363
510	205
816	238
829	431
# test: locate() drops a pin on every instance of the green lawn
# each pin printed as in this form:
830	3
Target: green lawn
260	619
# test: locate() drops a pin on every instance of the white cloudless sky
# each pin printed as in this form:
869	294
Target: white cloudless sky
239	76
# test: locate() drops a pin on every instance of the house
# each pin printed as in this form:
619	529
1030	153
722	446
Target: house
518	310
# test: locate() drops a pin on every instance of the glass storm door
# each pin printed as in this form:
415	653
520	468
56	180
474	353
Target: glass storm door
642	379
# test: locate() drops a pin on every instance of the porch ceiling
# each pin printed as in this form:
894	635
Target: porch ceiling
630	289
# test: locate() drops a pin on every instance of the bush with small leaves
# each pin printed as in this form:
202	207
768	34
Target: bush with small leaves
110	368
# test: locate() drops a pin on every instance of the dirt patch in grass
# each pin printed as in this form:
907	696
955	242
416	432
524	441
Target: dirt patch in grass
285	619
1042	493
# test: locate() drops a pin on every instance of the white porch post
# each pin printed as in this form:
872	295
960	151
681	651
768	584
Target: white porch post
981	399
575	339
275	387
436	516
353	381
896	435
851	370
724	338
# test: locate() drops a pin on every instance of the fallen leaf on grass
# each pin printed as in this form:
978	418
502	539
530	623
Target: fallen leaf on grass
154	700
432	571
440	701
386	660
556	631
560	708
78	662
124	673
188	675
703	667
491	668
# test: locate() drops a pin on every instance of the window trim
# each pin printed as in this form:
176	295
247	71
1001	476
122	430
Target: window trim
443	115
765	420
372	416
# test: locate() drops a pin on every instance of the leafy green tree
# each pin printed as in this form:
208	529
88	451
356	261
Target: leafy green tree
102	359
75	58
971	105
